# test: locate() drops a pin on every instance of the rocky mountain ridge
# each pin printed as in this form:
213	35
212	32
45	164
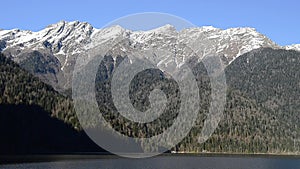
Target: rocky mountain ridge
54	50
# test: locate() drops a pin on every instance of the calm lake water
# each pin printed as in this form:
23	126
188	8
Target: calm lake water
168	162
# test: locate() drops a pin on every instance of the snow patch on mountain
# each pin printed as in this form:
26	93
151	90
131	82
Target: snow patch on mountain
293	47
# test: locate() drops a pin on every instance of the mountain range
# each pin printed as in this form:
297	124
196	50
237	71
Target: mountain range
262	108
55	49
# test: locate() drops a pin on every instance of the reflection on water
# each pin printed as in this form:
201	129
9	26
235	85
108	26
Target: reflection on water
169	162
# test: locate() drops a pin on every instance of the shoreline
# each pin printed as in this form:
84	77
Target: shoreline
237	154
38	158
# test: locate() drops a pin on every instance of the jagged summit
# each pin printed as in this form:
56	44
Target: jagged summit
163	29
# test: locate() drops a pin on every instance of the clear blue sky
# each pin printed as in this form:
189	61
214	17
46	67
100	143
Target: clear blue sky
278	19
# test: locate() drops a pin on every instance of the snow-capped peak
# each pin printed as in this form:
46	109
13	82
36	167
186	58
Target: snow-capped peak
208	28
164	29
108	32
293	47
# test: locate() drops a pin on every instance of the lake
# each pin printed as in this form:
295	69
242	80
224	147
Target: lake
167	162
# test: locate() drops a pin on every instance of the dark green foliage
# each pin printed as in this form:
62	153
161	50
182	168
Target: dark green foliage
19	87
262	111
248	125
269	76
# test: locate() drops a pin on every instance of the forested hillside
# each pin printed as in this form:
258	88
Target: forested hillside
248	126
17	86
261	113
34	118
